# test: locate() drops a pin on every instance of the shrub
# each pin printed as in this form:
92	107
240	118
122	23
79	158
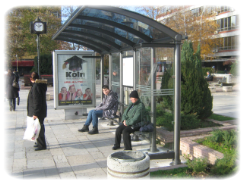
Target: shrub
197	164
237	69
225	165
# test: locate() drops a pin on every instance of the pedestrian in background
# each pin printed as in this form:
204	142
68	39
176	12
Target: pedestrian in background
37	107
11	92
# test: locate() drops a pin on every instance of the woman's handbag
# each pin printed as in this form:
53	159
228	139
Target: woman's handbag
15	84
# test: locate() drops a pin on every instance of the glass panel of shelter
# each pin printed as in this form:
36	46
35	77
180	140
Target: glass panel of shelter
124	20
88	38
164	87
115	86
112	29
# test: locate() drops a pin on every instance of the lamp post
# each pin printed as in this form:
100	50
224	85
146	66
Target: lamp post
38	27
17	62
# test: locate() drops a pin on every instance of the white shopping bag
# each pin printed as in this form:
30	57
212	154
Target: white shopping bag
32	129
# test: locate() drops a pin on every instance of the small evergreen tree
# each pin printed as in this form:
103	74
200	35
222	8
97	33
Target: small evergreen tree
195	94
167	83
237	69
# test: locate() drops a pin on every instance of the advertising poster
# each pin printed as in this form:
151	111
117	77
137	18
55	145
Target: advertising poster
128	71
75	79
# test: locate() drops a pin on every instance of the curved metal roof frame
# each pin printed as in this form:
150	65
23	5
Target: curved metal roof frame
86	40
116	36
106	31
80	43
77	33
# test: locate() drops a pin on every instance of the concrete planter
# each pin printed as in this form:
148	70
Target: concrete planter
227	88
128	165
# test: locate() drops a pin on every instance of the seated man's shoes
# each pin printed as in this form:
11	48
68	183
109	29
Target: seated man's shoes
94	131
39	149
84	129
115	147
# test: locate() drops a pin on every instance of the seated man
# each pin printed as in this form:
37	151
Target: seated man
131	116
209	76
107	108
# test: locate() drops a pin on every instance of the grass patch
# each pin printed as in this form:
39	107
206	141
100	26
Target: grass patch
220	117
225	171
188	122
230	142
179	172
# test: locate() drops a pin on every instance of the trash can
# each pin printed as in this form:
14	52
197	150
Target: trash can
128	165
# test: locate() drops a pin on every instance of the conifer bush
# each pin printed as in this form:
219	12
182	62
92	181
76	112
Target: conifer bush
196	97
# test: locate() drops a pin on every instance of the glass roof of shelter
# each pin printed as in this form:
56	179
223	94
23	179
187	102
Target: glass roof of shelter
108	29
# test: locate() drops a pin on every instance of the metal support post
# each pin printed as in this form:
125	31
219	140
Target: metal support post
153	101
177	101
134	70
102	74
110	72
121	84
38	50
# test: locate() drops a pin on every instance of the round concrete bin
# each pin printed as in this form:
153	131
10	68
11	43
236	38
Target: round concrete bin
128	165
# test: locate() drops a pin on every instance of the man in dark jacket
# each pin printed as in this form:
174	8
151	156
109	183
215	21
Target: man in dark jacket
37	107
131	116
107	108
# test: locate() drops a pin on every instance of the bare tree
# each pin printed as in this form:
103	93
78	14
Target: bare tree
116	3
148	7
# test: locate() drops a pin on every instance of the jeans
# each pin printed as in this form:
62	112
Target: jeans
12	103
93	117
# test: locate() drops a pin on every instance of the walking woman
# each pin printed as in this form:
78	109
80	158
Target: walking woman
11	92
37	107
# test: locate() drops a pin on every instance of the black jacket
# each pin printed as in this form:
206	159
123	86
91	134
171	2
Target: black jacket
36	101
11	92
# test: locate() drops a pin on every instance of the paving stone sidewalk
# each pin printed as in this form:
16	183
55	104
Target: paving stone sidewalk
70	154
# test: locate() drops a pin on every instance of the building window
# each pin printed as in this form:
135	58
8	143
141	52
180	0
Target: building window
228	43
228	23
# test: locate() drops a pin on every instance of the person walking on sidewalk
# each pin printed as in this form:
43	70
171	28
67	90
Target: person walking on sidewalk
131	116
37	107
11	92
106	109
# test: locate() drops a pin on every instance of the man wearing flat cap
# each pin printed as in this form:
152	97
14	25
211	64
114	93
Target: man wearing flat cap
131	116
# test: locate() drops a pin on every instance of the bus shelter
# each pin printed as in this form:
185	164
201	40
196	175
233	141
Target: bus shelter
140	51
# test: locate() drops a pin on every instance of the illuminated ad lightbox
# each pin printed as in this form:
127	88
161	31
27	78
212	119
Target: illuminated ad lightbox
128	71
74	79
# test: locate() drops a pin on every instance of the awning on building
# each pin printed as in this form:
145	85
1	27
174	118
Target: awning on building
23	63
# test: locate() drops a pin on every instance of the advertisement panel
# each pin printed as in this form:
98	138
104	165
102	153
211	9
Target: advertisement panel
74	79
128	71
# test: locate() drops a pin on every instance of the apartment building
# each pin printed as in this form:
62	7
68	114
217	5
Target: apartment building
227	34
